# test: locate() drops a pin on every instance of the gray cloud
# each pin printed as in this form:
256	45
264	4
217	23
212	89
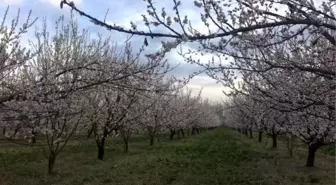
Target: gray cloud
121	13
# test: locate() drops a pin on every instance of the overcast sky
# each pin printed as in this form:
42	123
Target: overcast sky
120	12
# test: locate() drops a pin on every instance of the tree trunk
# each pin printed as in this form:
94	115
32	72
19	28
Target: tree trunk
260	137
182	132
101	148
172	133
290	142
274	140
251	135
151	141
125	135
178	134
290	151
51	162
116	132
15	132
90	131
311	154
126	145
101	152
245	132
33	140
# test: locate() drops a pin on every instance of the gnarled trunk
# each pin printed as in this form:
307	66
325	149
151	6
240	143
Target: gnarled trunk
290	144
250	130
101	152
33	140
172	133
51	162
101	148
90	131
126	146
311	154
34	137
192	131
260	136
125	135
151	140
274	140
182	132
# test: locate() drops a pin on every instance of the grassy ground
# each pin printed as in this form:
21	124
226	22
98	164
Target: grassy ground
220	156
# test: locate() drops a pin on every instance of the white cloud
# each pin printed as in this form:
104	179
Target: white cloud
56	3
211	90
126	18
11	2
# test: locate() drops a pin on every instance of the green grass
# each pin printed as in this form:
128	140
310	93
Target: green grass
220	156
329	150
